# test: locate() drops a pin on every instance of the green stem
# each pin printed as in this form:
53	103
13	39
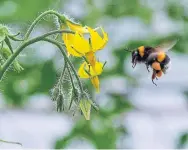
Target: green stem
63	72
71	78
25	44
74	89
38	19
67	59
15	39
10	142
7	41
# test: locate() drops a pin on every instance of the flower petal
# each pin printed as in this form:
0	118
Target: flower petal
76	44
98	68
80	44
90	56
68	40
76	27
96	83
97	42
81	71
86	72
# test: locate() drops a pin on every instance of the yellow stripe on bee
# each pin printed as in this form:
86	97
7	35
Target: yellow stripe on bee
161	56
159	74
141	51
156	66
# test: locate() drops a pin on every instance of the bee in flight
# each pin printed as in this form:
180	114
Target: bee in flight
154	57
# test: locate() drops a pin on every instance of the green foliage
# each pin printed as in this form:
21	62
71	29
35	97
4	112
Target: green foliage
175	10
18	87
183	141
128	8
99	131
23	10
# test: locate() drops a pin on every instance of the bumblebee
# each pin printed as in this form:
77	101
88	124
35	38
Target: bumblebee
154	57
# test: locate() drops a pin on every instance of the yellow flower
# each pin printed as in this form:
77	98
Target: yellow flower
78	46
69	39
86	71
74	43
97	42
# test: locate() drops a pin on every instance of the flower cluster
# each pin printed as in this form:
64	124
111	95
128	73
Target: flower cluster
78	45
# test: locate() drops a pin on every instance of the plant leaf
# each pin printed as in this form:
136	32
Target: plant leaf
85	106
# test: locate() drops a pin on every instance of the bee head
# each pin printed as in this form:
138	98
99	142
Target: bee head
134	56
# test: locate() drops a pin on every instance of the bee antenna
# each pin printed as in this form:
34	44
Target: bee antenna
128	50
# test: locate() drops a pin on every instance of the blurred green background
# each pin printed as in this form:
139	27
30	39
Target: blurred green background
129	23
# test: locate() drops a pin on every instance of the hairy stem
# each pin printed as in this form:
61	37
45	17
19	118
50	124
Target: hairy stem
24	45
63	72
67	59
71	78
38	19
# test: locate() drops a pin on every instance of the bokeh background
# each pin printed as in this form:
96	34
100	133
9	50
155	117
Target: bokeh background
133	112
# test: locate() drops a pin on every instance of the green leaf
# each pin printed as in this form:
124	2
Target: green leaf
85	107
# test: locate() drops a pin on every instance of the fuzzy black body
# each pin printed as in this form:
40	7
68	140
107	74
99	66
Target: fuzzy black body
141	54
163	64
147	51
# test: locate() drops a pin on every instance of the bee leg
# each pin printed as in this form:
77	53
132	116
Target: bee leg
134	62
154	77
134	65
147	68
154	82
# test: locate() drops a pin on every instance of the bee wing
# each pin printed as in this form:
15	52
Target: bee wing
152	56
165	47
